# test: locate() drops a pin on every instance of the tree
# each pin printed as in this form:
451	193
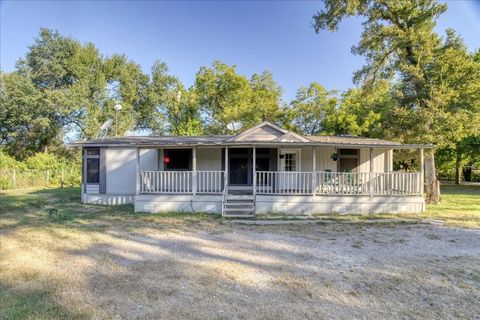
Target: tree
266	98
172	108
400	45
225	96
313	107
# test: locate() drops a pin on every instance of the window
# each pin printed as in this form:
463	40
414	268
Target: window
177	159
93	170
290	162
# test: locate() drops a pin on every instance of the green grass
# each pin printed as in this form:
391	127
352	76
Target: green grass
31	207
459	206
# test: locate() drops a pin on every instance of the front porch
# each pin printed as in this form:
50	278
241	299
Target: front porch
261	180
284	183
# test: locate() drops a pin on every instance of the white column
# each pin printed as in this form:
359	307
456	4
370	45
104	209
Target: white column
194	169
137	172
371	172
314	170
225	177
422	172
254	155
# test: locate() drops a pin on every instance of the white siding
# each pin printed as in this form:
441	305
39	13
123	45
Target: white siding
324	160
92	188
121	167
382	160
148	159
209	159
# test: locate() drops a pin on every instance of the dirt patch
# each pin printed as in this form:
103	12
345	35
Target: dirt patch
220	271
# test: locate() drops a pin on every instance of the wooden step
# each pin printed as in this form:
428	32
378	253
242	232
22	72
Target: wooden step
239	209
239	197
236	215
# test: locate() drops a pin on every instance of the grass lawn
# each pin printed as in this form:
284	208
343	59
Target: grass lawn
83	261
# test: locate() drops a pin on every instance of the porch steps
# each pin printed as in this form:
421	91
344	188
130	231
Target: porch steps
239	206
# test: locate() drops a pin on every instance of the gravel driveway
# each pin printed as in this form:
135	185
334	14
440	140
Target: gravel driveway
217	271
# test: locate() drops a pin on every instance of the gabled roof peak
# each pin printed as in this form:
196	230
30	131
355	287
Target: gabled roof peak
267	131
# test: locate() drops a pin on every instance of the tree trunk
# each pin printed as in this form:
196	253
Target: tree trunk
432	185
458	167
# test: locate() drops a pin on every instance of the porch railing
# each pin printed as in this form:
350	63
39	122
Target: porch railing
286	182
165	181
339	183
343	183
210	181
181	181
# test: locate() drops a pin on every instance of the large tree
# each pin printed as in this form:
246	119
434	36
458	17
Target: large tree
431	77
225	96
312	109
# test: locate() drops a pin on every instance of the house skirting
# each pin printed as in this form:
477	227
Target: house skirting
345	204
292	205
178	202
107	199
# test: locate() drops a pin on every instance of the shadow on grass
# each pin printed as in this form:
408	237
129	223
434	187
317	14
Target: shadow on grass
34	208
32	304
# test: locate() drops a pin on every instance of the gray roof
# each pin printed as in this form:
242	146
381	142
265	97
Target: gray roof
284	138
343	139
153	140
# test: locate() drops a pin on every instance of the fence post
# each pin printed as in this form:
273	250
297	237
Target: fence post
14	179
62	179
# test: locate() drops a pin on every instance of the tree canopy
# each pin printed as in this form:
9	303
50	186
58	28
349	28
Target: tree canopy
416	86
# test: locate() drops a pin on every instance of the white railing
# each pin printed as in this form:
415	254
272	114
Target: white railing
343	183
287	182
165	181
210	181
397	183
181	181
284	182
339	183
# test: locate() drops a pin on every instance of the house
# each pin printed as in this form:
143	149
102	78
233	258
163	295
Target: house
263	169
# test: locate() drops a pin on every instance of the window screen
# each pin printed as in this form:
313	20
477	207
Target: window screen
177	159
93	170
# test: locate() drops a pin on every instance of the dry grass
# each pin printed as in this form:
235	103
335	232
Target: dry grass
104	263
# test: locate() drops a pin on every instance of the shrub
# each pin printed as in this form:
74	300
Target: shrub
8	162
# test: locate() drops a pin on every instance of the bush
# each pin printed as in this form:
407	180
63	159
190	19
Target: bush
8	162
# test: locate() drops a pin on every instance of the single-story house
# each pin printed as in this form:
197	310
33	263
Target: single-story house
264	169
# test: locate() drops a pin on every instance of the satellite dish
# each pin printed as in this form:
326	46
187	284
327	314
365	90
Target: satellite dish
104	129
234	126
106	125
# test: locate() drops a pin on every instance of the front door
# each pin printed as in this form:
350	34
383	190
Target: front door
240	166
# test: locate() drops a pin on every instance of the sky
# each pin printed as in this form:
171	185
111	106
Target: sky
255	36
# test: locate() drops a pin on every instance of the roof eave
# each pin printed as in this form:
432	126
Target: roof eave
258	143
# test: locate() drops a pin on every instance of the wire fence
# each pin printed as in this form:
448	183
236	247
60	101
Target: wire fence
26	178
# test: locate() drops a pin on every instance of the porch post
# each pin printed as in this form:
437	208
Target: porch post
194	169
137	172
422	172
314	170
254	160
225	175
371	173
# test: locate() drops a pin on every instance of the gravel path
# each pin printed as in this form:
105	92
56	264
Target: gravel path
289	272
